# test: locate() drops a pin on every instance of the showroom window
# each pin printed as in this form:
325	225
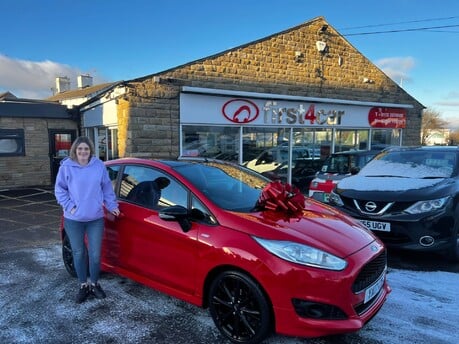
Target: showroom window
12	142
386	137
348	139
220	142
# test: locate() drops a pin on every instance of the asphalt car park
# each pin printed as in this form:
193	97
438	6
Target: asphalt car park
36	294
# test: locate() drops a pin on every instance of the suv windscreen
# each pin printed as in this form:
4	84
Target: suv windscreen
412	164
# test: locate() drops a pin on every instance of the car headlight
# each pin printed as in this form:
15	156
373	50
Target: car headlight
427	206
303	254
335	199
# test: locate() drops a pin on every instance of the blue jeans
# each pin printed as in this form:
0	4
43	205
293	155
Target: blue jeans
76	232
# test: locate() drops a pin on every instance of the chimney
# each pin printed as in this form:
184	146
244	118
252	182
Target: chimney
62	84
84	81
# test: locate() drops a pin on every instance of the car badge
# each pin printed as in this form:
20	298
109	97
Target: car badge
373	248
370	206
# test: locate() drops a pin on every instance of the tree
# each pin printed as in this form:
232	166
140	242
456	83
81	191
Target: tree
454	138
431	121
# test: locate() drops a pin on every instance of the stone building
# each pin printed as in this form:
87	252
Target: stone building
309	85
34	137
304	87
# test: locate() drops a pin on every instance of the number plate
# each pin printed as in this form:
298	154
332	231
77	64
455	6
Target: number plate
374	289
321	196
376	225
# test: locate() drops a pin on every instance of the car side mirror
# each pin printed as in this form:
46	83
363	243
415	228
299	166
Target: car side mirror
176	213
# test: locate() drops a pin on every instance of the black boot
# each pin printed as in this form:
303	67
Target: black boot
83	293
97	291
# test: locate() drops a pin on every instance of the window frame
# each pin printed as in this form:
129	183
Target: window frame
18	136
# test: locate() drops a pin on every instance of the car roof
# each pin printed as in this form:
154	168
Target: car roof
357	152
172	163
423	148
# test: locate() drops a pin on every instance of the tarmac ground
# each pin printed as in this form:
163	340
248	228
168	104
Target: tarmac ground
29	217
37	294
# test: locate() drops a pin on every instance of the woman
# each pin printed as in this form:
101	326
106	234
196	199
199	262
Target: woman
82	188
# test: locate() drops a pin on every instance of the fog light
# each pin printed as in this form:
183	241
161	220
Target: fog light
316	310
426	241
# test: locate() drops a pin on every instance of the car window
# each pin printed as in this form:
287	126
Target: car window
207	217
336	164
174	194
150	188
229	187
413	164
113	171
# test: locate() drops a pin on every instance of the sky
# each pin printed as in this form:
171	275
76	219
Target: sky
415	42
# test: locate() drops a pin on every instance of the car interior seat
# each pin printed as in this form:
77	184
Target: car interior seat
144	193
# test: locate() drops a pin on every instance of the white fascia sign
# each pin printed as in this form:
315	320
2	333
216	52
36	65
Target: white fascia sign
255	111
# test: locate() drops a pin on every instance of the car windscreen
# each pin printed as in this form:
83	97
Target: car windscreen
336	164
412	164
228	186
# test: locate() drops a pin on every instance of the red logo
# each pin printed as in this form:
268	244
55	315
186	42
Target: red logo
387	118
240	111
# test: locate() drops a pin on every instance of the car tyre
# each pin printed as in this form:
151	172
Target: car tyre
239	308
67	256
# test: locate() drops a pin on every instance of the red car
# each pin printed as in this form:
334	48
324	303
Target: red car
214	238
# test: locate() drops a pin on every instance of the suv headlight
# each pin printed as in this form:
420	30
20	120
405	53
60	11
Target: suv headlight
302	254
427	206
335	199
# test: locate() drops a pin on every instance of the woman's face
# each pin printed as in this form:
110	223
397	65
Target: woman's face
83	153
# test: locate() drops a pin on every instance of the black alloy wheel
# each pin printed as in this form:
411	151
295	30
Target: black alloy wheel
239	308
67	256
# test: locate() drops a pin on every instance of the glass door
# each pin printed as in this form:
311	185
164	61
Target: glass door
60	142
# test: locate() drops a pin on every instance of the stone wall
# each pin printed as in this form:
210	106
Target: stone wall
286	63
33	169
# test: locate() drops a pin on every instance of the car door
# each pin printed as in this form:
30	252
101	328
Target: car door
149	247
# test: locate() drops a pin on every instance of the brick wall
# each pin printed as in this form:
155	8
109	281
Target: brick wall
150	122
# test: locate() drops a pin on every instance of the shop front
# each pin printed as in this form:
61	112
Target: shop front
267	131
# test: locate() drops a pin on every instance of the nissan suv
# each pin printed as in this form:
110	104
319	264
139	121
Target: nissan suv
408	196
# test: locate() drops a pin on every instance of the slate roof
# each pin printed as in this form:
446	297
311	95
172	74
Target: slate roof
27	108
7	96
87	92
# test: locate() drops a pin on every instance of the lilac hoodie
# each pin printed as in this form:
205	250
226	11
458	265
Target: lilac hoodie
87	188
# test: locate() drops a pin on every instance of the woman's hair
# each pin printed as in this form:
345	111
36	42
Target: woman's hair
77	142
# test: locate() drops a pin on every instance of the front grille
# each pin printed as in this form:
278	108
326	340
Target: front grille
360	206
395	208
393	238
370	273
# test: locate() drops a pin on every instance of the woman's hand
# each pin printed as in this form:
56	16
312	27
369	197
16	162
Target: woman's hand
116	212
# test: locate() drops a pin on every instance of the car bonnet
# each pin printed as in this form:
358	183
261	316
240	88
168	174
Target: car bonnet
318	226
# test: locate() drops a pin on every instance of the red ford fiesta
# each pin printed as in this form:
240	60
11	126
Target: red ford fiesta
259	255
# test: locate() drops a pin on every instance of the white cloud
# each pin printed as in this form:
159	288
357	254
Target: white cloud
397	68
31	79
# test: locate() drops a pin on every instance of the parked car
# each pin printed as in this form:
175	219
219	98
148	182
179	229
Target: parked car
274	157
209	242
336	167
303	171
409	197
